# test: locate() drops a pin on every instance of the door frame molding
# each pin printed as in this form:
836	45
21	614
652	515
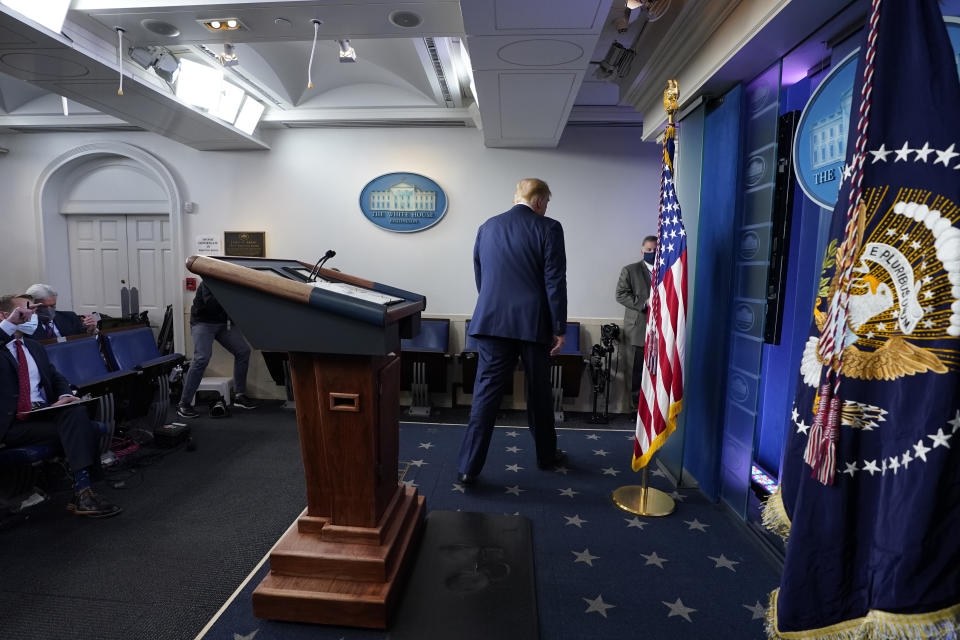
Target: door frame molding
52	227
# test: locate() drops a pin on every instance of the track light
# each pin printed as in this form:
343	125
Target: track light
347	53
161	59
229	56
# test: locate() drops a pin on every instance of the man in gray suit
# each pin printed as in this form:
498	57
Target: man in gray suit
633	292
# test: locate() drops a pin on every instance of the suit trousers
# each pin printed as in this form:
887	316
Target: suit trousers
497	357
77	434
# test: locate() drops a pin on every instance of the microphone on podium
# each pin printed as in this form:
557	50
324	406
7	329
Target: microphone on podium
319	265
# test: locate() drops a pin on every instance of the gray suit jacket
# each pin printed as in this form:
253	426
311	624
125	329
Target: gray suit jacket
633	291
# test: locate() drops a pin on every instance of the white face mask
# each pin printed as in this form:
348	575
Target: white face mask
28	327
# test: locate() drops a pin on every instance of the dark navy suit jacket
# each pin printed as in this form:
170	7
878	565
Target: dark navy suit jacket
54	385
520	266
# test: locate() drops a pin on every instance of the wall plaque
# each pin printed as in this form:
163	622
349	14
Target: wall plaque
246	244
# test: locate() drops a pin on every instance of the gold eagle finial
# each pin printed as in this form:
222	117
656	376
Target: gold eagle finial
670	99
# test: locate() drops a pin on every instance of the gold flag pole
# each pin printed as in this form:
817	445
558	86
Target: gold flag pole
644	500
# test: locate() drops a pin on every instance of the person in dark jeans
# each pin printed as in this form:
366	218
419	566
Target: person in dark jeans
209	322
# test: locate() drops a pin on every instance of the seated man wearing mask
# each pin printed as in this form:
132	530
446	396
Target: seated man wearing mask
29	381
54	323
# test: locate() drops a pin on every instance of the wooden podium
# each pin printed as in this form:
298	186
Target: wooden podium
345	560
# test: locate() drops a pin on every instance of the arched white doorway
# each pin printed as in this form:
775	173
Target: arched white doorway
60	178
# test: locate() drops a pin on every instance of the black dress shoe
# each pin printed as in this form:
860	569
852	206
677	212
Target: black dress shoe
559	458
87	503
466	479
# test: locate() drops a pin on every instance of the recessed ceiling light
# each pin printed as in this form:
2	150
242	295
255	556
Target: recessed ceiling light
160	28
405	19
222	24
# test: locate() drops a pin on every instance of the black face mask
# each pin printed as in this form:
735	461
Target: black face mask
650	257
46	313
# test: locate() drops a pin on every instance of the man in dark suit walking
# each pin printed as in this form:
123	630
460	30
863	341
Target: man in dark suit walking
29	381
520	267
633	292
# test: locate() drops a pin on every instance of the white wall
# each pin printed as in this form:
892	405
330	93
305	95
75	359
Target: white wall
304	193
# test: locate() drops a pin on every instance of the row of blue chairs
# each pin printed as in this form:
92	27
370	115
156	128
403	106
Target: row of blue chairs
124	369
425	359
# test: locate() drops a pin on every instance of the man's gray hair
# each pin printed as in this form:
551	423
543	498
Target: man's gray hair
40	291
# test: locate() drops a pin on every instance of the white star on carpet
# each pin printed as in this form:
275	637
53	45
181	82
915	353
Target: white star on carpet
585	557
758	610
514	449
940	439
514	467
575	520
678	609
610	471
903	152
511	434
600	452
955	423
871	466
653	558
880	154
598	605
724	563
569	492
945	156
458	487
920	450
924	152
696	524
593	436
425	445
417	463
515	490
635	522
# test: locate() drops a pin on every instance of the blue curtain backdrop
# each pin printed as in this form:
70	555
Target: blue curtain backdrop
704	393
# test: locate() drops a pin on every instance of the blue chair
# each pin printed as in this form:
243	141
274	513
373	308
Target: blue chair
423	362
136	350
81	363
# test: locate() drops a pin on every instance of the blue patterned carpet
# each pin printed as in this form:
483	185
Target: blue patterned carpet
600	572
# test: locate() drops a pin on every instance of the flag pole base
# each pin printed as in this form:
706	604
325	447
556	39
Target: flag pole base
643	500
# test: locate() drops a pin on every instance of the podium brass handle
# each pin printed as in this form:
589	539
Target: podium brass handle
345	402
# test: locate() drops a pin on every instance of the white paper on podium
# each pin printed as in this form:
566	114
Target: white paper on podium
357	292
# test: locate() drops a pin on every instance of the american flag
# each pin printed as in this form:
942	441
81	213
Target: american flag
661	390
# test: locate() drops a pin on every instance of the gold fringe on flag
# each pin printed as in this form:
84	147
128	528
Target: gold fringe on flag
876	625
774	516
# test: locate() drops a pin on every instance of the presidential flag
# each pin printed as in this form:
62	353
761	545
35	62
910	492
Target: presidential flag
870	487
661	389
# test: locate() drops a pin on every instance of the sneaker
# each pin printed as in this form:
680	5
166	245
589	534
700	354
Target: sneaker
186	411
87	503
241	400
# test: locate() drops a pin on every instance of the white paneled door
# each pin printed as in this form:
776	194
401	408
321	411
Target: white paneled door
113	255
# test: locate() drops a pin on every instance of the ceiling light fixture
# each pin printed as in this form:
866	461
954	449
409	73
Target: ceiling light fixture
347	52
222	24
160	59
229	57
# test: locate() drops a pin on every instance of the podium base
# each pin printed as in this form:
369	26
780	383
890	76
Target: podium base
342	583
